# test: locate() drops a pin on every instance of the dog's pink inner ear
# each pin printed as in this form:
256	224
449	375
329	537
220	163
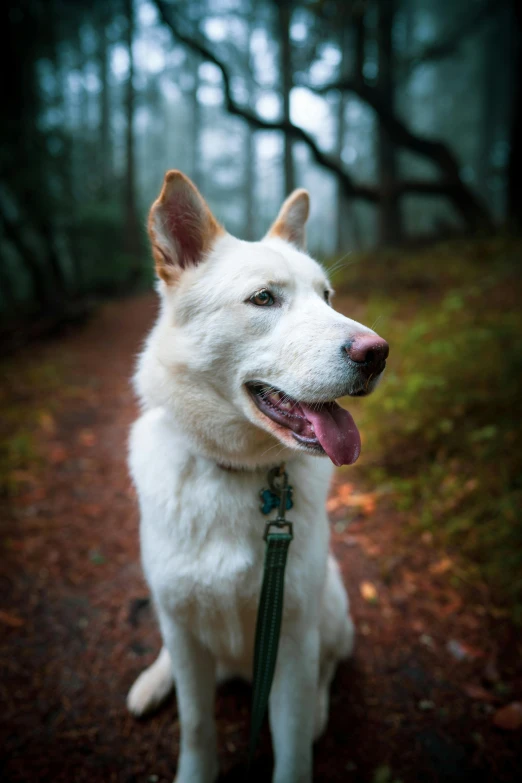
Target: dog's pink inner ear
183	225
182	228
290	224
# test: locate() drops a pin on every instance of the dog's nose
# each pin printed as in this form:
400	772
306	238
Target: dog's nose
369	351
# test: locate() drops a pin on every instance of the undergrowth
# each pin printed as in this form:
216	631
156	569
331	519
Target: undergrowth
22	417
443	430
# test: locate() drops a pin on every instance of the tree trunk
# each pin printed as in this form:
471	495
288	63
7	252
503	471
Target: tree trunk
132	233
390	218
491	94
7	295
345	214
284	17
196	169
249	183
250	145
514	186
14	234
105	116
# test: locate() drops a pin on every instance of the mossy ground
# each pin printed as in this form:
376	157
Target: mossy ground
442	432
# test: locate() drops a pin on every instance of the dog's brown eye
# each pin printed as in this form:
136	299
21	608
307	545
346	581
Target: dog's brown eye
262	298
327	297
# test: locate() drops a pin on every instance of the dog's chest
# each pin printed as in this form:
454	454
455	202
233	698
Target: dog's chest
204	561
202	538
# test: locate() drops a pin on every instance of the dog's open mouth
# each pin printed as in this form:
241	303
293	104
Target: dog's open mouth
321	426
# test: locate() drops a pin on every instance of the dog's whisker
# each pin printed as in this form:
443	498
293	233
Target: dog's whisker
270	448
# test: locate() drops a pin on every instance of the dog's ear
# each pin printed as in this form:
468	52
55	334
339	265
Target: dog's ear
290	224
182	229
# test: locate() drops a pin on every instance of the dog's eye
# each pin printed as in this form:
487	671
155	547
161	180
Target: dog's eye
327	297
262	298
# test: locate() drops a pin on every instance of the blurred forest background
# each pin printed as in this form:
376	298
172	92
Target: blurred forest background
404	120
402	117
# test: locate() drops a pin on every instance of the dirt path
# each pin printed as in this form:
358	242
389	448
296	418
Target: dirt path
419	702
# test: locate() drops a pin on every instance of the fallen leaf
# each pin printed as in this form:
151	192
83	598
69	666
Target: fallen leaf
47	423
441	566
369	592
509	717
451	607
22	476
87	438
333	504
344	497
57	454
344	491
478	693
365	502
11	620
92	510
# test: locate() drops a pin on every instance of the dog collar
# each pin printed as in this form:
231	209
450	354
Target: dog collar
232	469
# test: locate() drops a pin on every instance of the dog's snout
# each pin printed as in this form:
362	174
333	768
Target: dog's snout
369	351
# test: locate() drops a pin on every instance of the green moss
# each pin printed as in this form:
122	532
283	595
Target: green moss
24	386
443	428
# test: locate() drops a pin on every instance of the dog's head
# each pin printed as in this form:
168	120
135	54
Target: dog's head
248	354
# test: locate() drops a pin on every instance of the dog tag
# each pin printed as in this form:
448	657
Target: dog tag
272	497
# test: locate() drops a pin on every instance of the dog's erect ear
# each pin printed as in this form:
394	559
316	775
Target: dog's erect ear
291	222
182	228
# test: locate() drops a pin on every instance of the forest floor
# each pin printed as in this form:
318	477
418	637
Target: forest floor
433	692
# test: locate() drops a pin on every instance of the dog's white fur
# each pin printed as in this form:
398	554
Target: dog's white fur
201	528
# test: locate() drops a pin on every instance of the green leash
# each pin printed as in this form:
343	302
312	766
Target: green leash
278	535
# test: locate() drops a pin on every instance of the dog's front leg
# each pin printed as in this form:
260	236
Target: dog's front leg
293	703
194	675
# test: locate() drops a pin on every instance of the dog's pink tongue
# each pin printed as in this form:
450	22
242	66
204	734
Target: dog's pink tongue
336	431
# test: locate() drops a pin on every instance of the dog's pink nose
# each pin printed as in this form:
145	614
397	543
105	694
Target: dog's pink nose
370	351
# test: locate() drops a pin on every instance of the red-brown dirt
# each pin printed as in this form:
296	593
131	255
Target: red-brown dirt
429	695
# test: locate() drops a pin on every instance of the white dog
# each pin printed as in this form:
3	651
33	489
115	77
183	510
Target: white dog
239	374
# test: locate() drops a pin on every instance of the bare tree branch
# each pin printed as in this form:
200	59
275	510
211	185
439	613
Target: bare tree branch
257	123
451	186
434	150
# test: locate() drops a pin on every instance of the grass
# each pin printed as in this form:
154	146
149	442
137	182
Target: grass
22	417
443	430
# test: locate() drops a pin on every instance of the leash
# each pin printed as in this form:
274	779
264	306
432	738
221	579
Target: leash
278	535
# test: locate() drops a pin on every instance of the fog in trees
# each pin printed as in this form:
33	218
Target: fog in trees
402	118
